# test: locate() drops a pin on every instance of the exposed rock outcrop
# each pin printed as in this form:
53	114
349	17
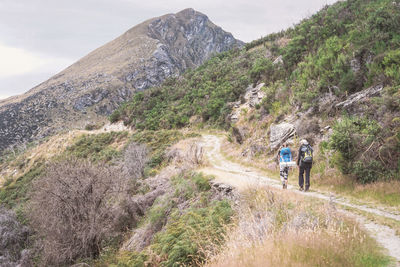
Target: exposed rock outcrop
280	133
278	60
357	98
93	87
253	96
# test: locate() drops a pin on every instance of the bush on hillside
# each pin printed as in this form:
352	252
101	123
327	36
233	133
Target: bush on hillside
189	222
16	192
96	147
75	207
391	64
359	142
134	160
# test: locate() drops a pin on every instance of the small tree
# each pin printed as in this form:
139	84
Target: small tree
134	160
73	208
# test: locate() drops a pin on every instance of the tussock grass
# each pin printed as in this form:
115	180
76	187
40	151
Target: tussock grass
283	229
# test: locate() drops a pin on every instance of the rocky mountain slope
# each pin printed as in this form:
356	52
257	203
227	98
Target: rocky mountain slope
94	86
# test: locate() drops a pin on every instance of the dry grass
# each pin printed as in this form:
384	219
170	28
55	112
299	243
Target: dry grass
42	152
382	193
284	229
51	148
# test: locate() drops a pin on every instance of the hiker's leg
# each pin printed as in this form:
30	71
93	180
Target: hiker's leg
301	176
308	169
286	173
282	174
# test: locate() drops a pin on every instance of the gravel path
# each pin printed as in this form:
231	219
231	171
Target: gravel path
241	177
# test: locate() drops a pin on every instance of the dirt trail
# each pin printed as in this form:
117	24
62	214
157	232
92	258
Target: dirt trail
241	177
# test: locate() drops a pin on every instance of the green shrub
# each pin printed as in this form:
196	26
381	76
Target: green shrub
92	126
185	235
369	171
158	142
16	192
261	67
115	116
359	153
391	64
96	147
345	139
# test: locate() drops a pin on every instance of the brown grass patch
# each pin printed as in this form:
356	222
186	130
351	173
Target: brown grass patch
283	229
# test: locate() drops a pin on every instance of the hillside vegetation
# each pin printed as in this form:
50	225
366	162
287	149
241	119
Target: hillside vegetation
345	48
135	197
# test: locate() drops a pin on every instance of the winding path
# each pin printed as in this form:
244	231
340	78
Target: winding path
240	177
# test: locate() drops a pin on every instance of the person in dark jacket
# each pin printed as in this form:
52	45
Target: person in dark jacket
304	161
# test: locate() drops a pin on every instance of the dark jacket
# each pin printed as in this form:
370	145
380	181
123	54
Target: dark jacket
300	155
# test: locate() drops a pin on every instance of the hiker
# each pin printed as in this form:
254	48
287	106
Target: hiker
285	155
304	161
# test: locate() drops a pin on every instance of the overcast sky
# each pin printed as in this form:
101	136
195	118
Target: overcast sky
39	38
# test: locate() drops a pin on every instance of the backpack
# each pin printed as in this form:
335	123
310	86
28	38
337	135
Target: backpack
307	157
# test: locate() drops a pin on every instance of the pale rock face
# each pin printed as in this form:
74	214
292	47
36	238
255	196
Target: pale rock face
93	87
280	133
252	96
278	60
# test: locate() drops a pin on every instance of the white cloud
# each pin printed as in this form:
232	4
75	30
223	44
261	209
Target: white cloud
21	69
3	96
17	61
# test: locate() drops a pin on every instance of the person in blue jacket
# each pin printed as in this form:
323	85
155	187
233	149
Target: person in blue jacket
285	155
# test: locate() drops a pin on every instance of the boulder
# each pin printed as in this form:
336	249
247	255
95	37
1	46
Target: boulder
359	97
279	133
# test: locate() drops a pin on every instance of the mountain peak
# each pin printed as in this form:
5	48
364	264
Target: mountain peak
93	87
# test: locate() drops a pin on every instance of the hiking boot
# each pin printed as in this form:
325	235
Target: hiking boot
306	190
301	189
285	184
